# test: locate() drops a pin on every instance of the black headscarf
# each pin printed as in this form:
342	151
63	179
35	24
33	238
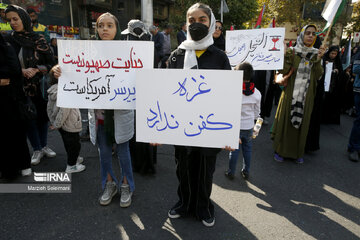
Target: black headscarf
28	38
337	60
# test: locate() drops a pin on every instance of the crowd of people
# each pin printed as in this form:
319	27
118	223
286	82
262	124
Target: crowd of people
29	106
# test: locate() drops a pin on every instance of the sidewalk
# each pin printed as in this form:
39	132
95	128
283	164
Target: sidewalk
319	199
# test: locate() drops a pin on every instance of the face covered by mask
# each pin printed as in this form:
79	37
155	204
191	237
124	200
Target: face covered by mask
198	31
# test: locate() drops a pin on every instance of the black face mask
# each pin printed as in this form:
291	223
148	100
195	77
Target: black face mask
198	31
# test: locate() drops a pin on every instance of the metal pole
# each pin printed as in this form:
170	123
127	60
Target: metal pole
222	11
71	14
147	12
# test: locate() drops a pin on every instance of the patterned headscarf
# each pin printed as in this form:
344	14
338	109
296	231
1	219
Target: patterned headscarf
302	78
28	38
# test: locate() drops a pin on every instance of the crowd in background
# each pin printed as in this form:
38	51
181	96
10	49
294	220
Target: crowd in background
28	104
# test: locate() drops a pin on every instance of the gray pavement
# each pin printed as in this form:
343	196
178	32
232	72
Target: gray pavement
319	199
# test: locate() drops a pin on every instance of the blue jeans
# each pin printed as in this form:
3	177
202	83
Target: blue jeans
354	141
246	146
123	154
37	134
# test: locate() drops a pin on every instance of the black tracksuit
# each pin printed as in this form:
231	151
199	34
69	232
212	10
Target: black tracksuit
195	165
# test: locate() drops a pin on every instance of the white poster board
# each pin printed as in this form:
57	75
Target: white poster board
189	107
356	37
101	74
328	72
262	48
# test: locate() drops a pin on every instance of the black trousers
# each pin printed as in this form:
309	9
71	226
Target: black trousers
267	100
72	145
195	174
14	151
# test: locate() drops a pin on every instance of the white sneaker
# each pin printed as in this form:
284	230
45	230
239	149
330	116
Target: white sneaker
79	160
125	199
26	172
36	157
48	152
74	169
109	192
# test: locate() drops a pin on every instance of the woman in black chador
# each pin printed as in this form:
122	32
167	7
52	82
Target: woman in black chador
331	107
14	152
36	60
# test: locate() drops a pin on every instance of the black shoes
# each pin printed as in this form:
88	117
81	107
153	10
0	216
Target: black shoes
173	214
209	222
229	175
245	175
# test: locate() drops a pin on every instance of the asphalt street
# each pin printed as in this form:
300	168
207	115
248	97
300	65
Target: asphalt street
319	199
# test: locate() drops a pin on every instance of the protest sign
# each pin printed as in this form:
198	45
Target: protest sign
189	107
101	74
328	72
262	48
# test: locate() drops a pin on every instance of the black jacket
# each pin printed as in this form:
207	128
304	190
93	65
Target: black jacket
212	58
10	68
44	62
220	42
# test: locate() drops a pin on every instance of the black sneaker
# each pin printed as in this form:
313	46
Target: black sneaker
229	175
173	214
209	222
354	156
245	175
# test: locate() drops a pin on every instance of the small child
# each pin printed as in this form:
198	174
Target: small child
68	122
250	111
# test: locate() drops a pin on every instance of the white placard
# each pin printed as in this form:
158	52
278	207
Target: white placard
101	74
189	107
328	72
356	37
262	48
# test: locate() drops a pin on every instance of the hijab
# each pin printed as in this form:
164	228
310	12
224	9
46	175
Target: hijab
302	77
190	45
28	38
337	60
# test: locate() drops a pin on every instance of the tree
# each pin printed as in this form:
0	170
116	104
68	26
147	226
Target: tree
240	12
354	24
289	11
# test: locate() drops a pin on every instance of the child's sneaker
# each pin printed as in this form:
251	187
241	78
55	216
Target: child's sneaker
125	199
209	222
75	168
79	160
26	172
109	192
36	157
245	175
48	152
229	175
173	214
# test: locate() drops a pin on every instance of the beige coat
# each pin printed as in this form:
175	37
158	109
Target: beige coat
69	119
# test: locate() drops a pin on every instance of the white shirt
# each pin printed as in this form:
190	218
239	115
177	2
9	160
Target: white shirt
250	110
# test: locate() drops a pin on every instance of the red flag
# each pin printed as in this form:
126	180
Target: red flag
272	23
258	23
